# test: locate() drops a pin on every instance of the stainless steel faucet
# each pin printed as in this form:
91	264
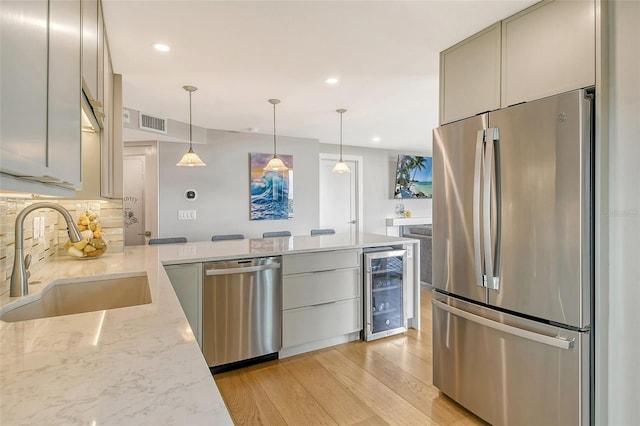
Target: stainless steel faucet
19	276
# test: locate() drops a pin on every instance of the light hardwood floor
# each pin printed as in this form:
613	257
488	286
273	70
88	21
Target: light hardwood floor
384	382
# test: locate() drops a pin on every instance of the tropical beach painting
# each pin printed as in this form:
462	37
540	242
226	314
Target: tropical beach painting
414	177
271	192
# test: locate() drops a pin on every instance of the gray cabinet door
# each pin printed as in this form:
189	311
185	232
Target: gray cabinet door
548	49
64	137
90	48
187	283
23	110
470	76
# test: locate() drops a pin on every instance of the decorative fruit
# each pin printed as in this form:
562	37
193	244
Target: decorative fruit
92	244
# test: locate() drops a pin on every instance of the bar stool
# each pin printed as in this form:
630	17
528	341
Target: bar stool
167	240
326	231
226	237
276	234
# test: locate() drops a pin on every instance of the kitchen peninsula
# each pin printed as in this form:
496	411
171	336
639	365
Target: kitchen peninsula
135	365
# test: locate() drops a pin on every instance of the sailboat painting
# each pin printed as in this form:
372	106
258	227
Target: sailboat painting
271	192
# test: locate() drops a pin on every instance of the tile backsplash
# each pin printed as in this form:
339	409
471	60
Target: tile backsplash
55	230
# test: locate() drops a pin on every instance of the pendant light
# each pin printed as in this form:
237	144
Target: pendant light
275	164
341	166
190	159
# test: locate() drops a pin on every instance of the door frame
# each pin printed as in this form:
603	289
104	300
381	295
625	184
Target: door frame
359	175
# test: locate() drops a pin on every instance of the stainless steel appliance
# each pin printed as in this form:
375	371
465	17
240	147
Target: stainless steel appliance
241	311
512	262
385	278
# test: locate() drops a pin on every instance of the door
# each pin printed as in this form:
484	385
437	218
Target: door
385	296
543	164
133	200
140	186
340	195
454	230
241	310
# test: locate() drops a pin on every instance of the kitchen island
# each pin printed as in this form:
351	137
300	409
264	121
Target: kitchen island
135	365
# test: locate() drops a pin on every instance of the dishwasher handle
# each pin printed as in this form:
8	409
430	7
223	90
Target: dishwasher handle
241	270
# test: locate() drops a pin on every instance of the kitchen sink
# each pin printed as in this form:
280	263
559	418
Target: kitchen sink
65	298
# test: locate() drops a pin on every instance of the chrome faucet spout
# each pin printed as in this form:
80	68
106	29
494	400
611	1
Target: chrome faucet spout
19	279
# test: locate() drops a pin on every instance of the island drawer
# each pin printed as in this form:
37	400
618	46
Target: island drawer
320	287
320	261
313	323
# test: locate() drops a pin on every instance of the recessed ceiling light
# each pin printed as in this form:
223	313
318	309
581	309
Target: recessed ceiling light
161	47
376	139
331	80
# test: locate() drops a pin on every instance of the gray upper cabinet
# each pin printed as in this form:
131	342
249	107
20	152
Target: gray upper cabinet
102	57
90	48
548	49
65	91
40	127
23	111
470	76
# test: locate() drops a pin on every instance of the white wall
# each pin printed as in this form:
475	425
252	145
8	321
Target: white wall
379	166
222	206
624	213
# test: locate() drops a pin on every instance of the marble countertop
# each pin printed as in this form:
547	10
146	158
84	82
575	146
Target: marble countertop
137	365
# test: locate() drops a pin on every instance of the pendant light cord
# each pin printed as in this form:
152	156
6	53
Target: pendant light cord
274	130
341	136
190	125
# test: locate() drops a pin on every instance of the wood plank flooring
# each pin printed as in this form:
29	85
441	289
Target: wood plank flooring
384	382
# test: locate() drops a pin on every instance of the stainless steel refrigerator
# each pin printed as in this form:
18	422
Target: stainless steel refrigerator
513	262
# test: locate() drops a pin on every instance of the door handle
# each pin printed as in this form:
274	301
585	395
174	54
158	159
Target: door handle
490	175
146	233
352	222
241	270
477	174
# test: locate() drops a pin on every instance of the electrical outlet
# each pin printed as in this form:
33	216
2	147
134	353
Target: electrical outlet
186	214
187	251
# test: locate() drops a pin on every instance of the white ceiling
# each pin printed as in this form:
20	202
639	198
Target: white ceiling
241	53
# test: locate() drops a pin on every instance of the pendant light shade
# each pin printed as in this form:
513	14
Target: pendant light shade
275	164
190	159
341	166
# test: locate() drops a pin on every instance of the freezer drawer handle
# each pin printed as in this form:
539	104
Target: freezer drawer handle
558	342
241	270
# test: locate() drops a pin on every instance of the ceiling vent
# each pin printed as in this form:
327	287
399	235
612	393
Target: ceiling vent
154	124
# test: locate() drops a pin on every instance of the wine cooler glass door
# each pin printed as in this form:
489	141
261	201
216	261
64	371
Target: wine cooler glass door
385	282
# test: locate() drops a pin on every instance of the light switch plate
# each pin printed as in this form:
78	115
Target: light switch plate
186	214
36	227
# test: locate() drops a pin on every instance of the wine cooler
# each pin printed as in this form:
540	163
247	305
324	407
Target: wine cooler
384	287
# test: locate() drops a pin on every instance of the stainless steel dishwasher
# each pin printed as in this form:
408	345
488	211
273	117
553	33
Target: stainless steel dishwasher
241	312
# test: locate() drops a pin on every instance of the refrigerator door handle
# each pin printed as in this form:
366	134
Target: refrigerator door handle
477	180
557	341
489	175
